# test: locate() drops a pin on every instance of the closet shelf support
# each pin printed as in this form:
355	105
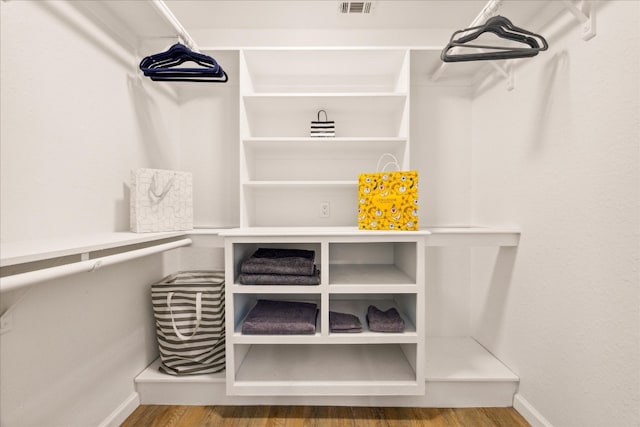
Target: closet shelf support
585	16
505	71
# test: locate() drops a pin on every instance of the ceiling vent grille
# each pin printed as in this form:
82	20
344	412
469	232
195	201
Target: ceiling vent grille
356	7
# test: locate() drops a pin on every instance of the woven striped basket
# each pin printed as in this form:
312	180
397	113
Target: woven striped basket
189	312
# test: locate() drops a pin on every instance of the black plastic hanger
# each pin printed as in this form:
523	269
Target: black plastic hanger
165	66
503	28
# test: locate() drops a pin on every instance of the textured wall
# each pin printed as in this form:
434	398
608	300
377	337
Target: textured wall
559	157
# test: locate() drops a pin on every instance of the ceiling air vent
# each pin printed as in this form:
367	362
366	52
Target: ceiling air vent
356	7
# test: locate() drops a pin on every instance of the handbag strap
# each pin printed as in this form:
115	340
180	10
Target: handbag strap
393	162
326	118
198	316
165	190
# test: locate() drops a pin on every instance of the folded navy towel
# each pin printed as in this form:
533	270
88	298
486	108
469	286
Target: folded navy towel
280	261
279	279
344	322
384	321
281	318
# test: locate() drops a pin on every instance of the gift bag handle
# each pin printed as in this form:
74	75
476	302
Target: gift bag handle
198	316
165	190
326	118
393	162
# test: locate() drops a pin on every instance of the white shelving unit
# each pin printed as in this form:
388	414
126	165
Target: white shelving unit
326	363
457	370
284	174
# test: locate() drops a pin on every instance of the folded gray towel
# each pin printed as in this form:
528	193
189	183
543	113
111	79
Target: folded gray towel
280	261
279	279
384	321
344	322
281	318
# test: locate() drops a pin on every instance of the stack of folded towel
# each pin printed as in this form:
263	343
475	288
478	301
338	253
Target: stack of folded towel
384	321
344	322
281	318
269	266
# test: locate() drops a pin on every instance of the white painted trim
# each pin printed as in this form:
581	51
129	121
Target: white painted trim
528	412
126	408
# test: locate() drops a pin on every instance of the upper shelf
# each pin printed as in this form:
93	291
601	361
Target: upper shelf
378	115
326	70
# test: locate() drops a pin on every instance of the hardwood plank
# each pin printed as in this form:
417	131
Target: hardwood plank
320	416
503	417
201	416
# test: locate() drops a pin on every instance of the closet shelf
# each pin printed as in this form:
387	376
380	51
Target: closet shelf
320	370
463	359
457	366
285	184
275	142
24	251
473	236
275	289
344	104
285	95
362	338
318	231
368	274
264	139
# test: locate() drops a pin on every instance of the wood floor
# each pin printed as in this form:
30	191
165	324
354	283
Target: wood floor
308	416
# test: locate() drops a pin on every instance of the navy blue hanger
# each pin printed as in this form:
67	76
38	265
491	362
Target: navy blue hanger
165	66
504	29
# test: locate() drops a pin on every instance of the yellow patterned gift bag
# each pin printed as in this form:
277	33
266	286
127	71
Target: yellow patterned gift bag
388	200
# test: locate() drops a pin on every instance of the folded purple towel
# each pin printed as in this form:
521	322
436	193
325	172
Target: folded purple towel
280	261
384	321
344	322
281	318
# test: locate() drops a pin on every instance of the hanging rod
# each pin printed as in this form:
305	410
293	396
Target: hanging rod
490	9
164	11
21	280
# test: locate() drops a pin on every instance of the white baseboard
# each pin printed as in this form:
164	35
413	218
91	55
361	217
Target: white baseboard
528	412
121	413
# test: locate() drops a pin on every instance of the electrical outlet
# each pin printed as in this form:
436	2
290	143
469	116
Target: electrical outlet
325	210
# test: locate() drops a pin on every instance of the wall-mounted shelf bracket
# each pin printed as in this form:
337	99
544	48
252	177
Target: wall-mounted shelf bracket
585	15
505	71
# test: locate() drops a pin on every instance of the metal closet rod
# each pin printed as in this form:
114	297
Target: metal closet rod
490	9
29	278
166	13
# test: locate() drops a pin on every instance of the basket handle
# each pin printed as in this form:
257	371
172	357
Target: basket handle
198	316
393	162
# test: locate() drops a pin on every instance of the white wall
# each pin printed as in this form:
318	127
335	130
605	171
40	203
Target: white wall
76	344
209	145
441	152
76	119
559	157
